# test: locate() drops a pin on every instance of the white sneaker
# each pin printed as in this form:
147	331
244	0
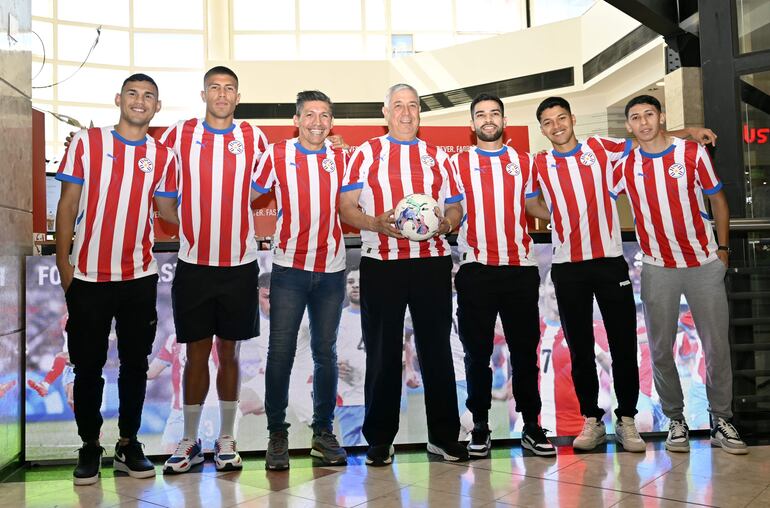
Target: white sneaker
627	435
187	454
592	435
678	439
226	457
725	435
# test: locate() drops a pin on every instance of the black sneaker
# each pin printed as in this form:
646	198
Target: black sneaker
451	452
89	462
481	441
277	454
325	446
130	459
533	439
379	455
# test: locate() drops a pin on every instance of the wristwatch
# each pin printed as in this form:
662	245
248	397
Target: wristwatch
724	248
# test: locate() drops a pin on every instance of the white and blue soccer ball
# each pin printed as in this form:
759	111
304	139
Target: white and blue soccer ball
416	217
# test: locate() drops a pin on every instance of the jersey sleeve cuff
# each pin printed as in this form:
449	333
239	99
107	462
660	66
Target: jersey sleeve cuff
163	194
259	189
454	199
627	149
532	194
713	190
352	186
62	177
613	195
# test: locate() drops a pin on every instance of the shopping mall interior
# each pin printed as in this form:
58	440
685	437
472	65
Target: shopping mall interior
62	63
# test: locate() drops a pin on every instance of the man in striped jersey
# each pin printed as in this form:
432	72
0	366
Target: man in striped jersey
588	263
110	177
396	272
308	273
215	285
666	179
498	274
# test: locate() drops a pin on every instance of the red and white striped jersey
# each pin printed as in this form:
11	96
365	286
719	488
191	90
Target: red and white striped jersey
666	194
495	185
576	186
215	170
308	234
386	170
114	224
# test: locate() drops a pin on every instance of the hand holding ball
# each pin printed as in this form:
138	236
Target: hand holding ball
416	217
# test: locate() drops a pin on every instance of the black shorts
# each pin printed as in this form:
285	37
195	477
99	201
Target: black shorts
215	300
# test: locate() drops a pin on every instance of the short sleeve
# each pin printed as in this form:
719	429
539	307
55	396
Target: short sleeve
264	176
616	148
170	137
705	175
260	143
167	186
618	183
453	187
531	187
357	168
71	169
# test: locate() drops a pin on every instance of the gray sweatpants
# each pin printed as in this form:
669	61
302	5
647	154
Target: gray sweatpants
704	289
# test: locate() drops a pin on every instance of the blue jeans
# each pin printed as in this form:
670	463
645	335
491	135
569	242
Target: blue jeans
351	420
291	291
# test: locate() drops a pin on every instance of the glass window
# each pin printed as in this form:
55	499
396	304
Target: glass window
45	43
43	8
76	41
375	15
180	90
182	14
114	12
330	15
756	150
89	84
753	25
267	15
265	47
430	41
551	11
413	16
376	47
331	47
489	16
403	44
168	50
42	76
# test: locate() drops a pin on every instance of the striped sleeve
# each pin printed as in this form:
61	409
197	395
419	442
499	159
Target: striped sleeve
167	187
531	188
454	192
264	176
616	148
71	169
704	172
357	169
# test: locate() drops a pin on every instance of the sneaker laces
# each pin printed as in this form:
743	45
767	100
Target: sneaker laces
678	429
537	433
184	447
629	430
727	429
226	445
328	439
588	428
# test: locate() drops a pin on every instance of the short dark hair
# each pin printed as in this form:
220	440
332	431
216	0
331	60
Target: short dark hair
643	99
263	281
220	69
313	95
139	77
552	102
487	97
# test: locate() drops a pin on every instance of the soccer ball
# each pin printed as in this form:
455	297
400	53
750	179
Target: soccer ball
416	218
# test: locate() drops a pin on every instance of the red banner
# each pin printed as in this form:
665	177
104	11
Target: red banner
451	139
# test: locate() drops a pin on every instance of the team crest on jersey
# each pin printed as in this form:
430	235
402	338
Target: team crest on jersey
427	160
512	169
235	147
676	170
587	159
329	165
145	165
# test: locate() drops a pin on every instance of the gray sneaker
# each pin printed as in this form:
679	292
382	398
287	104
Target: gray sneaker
678	439
277	455
326	447
724	434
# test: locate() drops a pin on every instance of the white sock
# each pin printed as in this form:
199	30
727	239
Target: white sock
227	410
192	420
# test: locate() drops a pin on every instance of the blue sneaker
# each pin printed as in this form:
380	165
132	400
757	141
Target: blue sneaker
187	454
226	457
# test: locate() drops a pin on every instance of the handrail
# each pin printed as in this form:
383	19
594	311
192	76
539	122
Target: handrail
750	224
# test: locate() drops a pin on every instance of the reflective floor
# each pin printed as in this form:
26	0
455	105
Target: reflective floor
606	477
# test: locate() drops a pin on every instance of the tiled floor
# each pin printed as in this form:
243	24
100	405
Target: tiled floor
656	478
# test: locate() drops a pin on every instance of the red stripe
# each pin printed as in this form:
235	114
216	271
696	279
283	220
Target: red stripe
630	167
650	191
566	187
92	173
280	166
340	157
205	203
377	194
585	173
229	173
304	204
186	182
488	209
439	169
513	192
135	202
677	213
110	211
396	186
325	213
250	149
464	168
701	236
